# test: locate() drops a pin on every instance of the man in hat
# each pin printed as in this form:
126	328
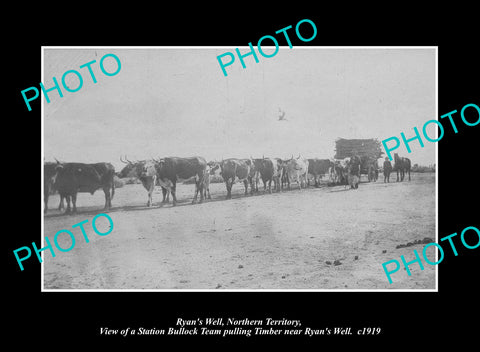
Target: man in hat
387	169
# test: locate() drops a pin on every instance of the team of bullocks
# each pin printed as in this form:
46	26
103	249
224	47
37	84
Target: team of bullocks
70	178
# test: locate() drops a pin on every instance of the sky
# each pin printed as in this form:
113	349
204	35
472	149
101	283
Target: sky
177	102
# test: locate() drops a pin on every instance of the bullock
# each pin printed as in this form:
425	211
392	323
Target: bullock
338	172
268	170
145	171
213	168
402	166
297	170
173	169
282	172
49	176
387	169
317	168
232	169
254	174
285	180
77	177
206	182
278	173
332	175
341	171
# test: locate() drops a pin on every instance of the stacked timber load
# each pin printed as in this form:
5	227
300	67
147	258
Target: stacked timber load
364	148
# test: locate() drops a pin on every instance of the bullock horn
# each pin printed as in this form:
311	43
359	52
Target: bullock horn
58	162
123	161
128	160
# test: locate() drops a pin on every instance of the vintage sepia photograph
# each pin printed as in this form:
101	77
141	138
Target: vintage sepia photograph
270	178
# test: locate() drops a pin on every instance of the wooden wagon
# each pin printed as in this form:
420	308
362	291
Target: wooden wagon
369	151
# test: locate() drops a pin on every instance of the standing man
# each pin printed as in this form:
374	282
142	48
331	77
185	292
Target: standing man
387	169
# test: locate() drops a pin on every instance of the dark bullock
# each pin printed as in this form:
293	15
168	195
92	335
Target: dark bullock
285	181
78	177
173	169
268	170
317	168
232	169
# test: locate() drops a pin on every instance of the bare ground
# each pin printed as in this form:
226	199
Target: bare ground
272	241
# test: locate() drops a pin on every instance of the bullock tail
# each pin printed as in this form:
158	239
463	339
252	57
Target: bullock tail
113	191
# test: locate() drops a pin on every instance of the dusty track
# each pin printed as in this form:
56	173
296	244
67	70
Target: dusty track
272	241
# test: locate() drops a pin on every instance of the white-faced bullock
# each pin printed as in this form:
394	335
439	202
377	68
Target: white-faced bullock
145	171
297	171
338	172
212	170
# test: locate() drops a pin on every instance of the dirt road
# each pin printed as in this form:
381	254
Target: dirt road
272	241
